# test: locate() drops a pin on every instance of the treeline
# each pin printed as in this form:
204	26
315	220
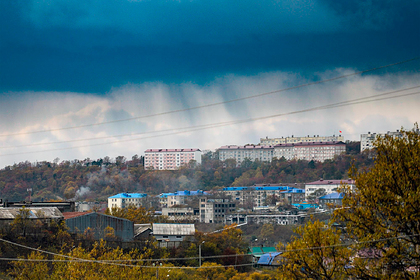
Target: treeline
101	178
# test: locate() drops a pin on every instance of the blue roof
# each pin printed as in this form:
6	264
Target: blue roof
235	188
267	259
304	205
184	193
333	195
266	188
273	188
294	190
129	195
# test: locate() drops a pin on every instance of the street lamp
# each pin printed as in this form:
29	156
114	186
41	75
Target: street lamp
199	252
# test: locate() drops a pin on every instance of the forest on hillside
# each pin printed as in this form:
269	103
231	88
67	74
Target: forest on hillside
95	180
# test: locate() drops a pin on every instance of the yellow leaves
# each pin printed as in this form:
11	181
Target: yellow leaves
30	270
316	251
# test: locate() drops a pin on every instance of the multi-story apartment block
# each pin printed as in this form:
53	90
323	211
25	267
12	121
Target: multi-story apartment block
287	140
257	196
180	213
170	159
252	152
329	186
367	140
123	200
214	210
317	151
178	197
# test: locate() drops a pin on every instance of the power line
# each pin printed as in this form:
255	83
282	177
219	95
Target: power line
188	127
356	101
116	262
214	104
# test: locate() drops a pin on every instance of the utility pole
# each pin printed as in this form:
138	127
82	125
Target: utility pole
199	253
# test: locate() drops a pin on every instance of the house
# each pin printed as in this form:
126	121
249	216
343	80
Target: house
96	224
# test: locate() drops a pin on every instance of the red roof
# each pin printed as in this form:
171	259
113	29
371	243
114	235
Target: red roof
69	215
171	150
331	182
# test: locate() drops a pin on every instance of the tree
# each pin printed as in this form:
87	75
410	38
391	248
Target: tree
314	254
385	207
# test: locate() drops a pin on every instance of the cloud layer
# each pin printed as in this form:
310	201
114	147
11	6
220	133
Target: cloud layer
27	111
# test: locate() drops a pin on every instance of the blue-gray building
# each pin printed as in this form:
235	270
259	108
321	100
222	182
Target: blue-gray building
97	223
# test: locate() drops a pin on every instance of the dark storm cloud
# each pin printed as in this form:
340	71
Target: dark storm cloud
92	46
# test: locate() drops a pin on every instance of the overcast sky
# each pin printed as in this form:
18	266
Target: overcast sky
74	63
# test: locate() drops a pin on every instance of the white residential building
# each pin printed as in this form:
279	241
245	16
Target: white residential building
367	140
170	159
287	140
123	200
317	151
330	186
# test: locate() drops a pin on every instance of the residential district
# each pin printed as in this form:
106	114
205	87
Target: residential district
177	214
259	204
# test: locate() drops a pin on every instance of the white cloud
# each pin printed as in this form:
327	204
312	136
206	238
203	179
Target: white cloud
34	111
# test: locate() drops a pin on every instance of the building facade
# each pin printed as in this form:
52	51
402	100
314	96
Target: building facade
329	186
214	210
316	151
179	197
367	140
170	159
123	200
255	196
291	140
251	152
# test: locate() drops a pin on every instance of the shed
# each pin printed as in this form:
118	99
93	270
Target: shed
142	231
172	232
46	214
123	228
270	259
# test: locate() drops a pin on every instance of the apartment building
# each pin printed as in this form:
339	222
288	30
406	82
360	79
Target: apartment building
214	210
304	139
252	152
317	151
178	197
257	196
367	140
123	200
170	159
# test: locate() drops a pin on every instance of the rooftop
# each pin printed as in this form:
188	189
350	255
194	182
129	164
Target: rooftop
247	147
173	229
171	150
267	259
331	182
184	193
129	195
333	195
34	213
